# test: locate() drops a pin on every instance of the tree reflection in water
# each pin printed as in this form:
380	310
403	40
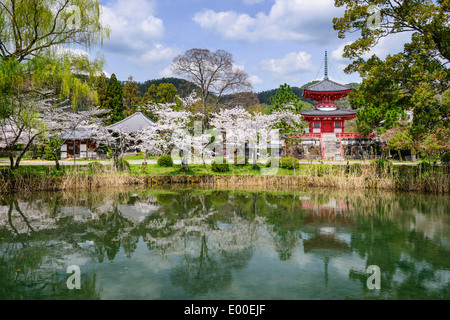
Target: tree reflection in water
209	239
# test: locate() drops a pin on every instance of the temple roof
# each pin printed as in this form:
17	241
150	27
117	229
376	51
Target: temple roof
327	85
77	134
135	122
337	112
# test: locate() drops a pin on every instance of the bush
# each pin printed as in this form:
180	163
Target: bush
269	161
446	157
123	165
220	164
289	163
165	161
96	167
240	160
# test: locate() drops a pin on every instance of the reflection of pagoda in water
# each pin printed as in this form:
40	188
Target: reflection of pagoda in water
325	223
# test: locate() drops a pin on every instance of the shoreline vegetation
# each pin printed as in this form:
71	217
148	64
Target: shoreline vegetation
374	175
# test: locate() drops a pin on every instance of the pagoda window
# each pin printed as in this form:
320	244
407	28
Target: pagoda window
316	124
338	124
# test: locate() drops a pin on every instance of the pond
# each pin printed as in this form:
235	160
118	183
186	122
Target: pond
224	245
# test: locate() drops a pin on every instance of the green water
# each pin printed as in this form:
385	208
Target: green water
209	244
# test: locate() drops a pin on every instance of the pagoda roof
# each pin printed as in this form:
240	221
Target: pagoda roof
336	112
326	85
135	122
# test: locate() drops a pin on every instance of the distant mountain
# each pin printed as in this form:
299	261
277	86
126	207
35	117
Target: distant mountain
184	87
246	99
264	96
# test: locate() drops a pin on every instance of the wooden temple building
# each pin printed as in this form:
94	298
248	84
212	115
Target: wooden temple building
81	143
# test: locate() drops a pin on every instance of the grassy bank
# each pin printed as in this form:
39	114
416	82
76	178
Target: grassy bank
378	176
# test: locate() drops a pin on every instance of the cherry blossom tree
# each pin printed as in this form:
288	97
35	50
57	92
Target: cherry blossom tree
241	127
179	133
63	122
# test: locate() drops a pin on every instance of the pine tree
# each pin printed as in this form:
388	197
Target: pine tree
167	93
102	91
150	95
115	100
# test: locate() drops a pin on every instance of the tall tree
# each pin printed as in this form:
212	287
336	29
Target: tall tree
102	91
166	93
415	80
115	100
212	72
131	97
36	61
150	95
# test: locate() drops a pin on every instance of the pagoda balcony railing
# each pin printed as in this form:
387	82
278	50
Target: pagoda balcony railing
354	135
342	135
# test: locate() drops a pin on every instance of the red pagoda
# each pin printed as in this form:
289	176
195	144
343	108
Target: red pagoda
327	117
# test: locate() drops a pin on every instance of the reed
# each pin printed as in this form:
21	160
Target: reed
373	176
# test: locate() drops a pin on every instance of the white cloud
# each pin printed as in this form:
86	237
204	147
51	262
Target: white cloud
135	31
249	2
255	80
166	73
299	20
292	63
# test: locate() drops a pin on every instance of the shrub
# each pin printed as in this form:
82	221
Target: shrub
220	164
240	160
96	166
269	161
123	165
289	163
165	161
446	157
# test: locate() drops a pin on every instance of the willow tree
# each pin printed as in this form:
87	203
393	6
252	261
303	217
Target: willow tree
36	60
416	79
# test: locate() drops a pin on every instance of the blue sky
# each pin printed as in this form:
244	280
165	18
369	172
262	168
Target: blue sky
274	41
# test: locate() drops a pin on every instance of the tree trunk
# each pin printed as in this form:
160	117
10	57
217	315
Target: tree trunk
58	167
255	160
11	161
25	150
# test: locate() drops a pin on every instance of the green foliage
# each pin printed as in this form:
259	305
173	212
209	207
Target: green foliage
289	163
415	79
220	164
183	87
446	157
240	160
131	97
285	97
104	150
96	167
123	165
382	166
114	102
319	170
355	169
165	161
405	172
269	161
